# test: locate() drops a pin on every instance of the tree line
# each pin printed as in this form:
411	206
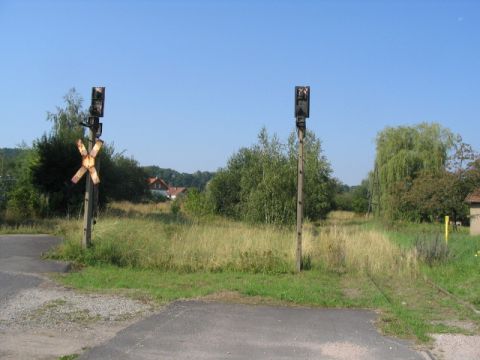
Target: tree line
421	173
258	184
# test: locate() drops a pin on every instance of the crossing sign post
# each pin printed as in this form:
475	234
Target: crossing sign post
88	160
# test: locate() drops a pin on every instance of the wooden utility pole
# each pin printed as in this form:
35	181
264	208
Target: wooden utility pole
88	163
89	200
96	196
300	182
302	111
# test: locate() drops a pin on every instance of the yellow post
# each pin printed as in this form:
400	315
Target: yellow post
447	222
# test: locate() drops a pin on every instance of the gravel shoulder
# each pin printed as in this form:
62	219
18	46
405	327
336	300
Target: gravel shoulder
456	347
49	321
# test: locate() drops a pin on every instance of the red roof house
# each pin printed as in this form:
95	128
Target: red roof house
158	186
173	192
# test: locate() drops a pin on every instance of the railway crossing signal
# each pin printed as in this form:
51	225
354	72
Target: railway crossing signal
302	101
302	111
88	162
98	101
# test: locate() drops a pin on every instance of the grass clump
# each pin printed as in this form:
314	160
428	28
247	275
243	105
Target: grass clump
356	249
432	250
69	357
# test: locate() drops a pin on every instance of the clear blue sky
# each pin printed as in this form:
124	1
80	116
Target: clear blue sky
190	82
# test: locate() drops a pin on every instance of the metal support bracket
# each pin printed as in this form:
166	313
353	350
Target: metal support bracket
301	123
93	124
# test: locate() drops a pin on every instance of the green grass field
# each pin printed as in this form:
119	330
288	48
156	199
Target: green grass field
148	252
460	272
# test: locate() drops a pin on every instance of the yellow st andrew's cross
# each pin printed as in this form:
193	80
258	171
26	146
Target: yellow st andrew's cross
88	162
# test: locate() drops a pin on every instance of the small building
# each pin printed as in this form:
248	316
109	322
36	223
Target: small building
473	199
157	186
174	192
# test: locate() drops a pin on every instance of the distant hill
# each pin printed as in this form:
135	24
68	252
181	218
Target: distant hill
198	179
10	153
10	159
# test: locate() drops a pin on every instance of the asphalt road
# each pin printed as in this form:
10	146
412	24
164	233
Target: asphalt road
200	330
21	262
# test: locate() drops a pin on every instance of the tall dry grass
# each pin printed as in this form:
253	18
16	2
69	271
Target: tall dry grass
355	248
213	246
127	208
340	215
153	238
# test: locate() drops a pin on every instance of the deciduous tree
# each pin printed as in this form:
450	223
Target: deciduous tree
259	183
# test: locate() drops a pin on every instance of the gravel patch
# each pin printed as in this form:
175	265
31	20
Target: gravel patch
344	351
456	347
51	321
63	309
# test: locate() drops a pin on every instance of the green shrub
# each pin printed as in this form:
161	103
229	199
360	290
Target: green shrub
23	204
307	262
175	208
196	203
432	250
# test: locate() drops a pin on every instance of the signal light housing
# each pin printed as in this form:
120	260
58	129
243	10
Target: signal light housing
302	101
98	101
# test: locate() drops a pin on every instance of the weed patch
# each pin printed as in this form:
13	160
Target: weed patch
432	250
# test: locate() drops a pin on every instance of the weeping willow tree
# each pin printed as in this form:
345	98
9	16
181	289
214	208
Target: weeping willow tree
403	154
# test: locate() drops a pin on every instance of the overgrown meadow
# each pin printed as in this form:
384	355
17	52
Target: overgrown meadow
158	252
154	237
